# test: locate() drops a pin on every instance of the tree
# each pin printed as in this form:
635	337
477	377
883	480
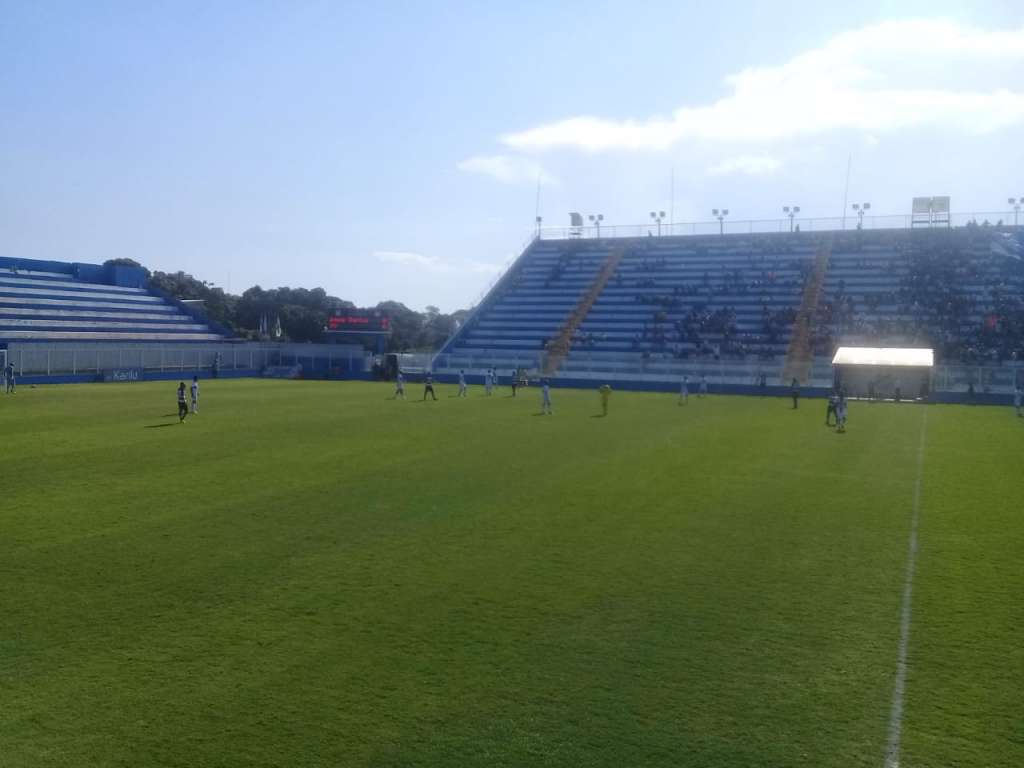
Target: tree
406	326
219	306
303	311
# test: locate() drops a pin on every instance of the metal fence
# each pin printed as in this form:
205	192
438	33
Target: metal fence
771	226
996	379
61	359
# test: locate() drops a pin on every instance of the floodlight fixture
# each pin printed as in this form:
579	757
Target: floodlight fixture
596	219
791	211
1016	203
861	209
720	214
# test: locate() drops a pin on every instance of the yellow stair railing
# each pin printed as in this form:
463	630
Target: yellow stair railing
558	348
799	356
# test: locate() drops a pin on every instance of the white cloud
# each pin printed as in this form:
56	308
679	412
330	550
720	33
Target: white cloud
410	259
483	268
750	165
508	169
436	264
866	79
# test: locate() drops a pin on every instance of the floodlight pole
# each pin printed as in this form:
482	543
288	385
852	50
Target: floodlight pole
658	216
1016	203
720	214
596	220
539	219
861	209
791	211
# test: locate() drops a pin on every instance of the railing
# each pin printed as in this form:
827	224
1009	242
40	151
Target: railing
196	312
772	226
498	279
995	379
68	358
482	360
509	263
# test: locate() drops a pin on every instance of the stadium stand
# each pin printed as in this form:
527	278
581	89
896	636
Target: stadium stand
54	301
660	307
668	305
958	291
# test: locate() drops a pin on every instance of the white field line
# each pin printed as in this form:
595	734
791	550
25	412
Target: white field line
892	752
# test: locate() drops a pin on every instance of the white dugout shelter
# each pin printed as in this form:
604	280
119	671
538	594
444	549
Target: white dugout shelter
884	372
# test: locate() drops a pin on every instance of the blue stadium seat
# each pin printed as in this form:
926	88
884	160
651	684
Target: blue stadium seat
46	305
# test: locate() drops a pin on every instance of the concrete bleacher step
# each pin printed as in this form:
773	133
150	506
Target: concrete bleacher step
106	336
71	284
17	290
54	306
75	314
35	301
43	325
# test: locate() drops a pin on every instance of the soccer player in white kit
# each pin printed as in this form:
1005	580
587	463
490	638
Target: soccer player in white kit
1018	397
684	391
841	414
399	386
195	394
462	383
545	402
488	381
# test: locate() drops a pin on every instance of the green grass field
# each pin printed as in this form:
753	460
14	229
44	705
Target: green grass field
311	574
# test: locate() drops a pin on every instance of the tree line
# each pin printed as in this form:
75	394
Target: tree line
303	311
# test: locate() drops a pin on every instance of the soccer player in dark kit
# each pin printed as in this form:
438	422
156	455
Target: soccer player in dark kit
833	403
182	403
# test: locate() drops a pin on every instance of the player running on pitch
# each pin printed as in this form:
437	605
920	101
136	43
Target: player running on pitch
9	382
545	399
684	391
462	384
399	386
182	403
488	382
515	381
195	394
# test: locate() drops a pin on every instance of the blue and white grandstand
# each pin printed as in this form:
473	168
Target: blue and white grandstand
44	301
741	307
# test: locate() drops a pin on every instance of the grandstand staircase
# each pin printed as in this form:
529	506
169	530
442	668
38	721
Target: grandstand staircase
558	348
799	356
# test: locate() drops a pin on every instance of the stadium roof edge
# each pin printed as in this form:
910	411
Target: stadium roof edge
885	356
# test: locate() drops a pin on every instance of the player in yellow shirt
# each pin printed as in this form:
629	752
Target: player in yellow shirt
606	392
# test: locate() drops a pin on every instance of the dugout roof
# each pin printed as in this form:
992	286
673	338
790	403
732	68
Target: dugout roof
884	356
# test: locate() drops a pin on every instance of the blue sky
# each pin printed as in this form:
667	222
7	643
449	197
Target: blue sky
391	151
